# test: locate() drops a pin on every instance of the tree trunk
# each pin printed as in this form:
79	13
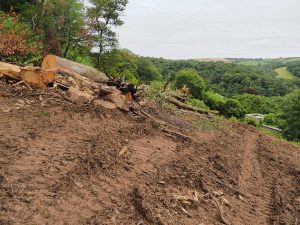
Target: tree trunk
53	61
184	106
44	7
10	70
68	44
37	77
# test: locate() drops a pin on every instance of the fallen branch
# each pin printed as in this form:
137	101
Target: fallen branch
181	105
228	186
163	125
223	219
18	83
176	134
147	115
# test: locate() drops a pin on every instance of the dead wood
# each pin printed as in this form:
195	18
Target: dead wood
53	61
164	125
18	83
228	186
10	70
223	219
37	77
187	138
185	106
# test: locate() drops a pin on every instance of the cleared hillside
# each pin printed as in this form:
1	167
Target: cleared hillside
62	163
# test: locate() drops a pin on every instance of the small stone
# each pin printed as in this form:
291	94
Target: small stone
78	184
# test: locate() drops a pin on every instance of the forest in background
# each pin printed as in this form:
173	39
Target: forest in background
86	34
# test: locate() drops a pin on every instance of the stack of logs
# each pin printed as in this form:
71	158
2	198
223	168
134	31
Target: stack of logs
79	83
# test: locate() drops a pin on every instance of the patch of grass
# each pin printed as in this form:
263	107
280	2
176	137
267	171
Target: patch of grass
277	135
253	62
210	124
285	74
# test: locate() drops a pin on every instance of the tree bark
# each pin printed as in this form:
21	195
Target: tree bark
53	61
184	106
10	70
44	7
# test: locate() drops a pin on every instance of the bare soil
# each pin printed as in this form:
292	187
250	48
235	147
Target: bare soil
67	164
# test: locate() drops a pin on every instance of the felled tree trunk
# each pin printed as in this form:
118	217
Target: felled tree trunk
53	61
185	106
10	70
37	77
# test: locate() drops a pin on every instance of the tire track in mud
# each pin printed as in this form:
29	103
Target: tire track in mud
257	208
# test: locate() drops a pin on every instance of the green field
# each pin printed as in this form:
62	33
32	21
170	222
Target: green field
285	74
253	62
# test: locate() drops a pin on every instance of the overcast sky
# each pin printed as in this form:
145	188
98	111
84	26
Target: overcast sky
179	29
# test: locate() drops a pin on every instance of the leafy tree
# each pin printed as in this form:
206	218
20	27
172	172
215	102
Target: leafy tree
291	116
232	108
115	62
146	71
193	80
258	104
104	15
294	67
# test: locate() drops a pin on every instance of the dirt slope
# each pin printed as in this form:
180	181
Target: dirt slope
67	164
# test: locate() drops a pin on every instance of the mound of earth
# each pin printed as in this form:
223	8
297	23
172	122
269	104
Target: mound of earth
62	163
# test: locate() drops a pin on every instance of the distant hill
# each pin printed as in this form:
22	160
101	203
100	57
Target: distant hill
214	60
250	61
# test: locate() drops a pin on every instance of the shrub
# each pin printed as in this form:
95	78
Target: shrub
155	92
214	100
193	80
252	122
196	103
17	43
232	108
273	119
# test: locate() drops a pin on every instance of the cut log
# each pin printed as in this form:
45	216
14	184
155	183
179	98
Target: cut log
104	104
75	95
53	61
10	70
184	106
37	77
119	101
75	78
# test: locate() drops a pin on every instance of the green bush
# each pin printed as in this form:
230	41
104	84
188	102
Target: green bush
252	122
196	103
193	80
232	108
213	100
273	119
155	92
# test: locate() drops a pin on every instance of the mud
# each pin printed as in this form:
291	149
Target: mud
61	164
